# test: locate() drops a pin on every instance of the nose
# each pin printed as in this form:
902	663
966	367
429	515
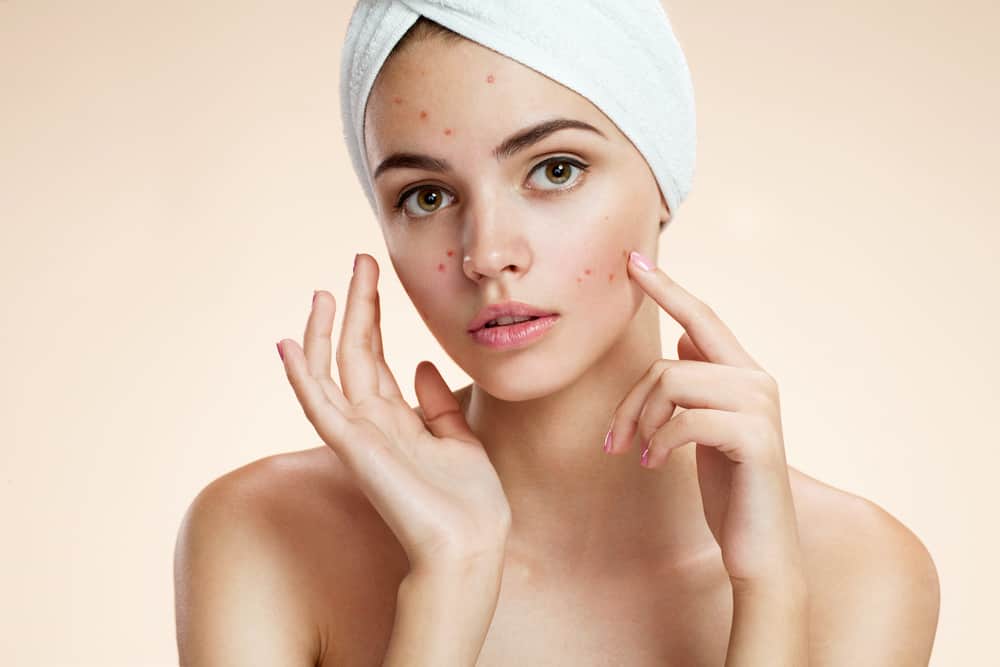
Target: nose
494	244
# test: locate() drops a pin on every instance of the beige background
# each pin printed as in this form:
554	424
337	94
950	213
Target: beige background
173	186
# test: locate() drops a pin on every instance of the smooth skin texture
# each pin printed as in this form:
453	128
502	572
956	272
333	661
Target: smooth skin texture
288	561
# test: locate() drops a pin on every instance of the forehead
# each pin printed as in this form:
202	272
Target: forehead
437	89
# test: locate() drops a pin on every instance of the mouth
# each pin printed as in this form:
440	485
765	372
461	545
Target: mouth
506	314
507	321
504	334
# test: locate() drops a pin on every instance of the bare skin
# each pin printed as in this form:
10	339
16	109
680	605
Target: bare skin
607	562
345	566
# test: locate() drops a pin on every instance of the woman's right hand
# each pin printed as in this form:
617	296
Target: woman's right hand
430	479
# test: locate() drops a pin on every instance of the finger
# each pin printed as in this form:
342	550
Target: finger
687	350
330	423
710	335
699	384
355	359
739	436
670	384
442	411
316	346
387	384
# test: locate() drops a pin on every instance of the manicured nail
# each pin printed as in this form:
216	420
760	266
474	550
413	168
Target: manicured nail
644	459
607	441
640	260
280	353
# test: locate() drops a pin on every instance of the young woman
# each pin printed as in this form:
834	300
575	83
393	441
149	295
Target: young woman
585	500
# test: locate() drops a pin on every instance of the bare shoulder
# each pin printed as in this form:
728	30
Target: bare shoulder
271	555
874	590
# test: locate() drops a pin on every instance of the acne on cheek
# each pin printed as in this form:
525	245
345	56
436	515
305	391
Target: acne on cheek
587	271
441	266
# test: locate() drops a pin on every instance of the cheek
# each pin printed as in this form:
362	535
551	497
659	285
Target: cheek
599	263
602	270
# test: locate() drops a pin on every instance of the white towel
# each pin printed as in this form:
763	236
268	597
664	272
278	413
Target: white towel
622	55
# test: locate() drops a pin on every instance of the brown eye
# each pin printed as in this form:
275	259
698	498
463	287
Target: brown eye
427	200
557	171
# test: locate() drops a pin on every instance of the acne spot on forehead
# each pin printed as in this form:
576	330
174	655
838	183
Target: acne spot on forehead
447	131
490	79
440	267
611	277
423	115
587	271
451	252
397	100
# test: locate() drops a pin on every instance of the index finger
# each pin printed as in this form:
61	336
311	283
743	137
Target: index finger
355	357
716	342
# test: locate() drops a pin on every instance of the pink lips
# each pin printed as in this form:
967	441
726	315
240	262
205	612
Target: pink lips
514	335
506	308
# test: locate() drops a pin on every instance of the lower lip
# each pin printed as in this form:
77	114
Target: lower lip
514	335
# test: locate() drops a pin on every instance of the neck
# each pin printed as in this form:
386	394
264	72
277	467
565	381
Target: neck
575	508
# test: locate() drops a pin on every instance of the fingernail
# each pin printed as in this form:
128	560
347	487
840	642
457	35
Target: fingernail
640	260
607	441
280	353
314	296
644	459
355	262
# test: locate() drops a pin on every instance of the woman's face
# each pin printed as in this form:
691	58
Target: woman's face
547	222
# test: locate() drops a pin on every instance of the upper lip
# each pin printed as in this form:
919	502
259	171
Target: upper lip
509	308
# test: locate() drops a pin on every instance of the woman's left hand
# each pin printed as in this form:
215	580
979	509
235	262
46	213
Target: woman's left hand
731	411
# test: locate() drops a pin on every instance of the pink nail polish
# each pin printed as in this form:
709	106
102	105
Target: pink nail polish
607	441
280	353
644	459
640	260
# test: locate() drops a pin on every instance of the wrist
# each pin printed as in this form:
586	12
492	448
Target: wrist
790	589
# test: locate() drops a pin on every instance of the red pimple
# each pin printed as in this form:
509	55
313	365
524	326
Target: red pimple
440	267
397	100
587	271
611	277
451	252
447	131
490	79
423	115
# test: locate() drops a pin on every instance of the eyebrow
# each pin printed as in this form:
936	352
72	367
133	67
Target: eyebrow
518	141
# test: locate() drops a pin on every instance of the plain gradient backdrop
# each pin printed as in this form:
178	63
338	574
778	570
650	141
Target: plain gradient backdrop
174	185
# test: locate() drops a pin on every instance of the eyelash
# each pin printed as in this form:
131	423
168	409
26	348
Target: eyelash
398	206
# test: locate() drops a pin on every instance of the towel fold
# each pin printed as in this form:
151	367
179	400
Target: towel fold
621	55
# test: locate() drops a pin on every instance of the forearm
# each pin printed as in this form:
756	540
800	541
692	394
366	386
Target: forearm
770	626
442	616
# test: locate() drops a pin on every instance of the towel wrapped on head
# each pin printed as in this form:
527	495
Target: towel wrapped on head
621	55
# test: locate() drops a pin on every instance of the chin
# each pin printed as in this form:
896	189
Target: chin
504	385
524	375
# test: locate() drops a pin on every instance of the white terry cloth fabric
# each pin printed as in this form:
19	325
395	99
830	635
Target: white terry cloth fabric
621	55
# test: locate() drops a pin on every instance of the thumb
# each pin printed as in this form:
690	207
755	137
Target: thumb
442	412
